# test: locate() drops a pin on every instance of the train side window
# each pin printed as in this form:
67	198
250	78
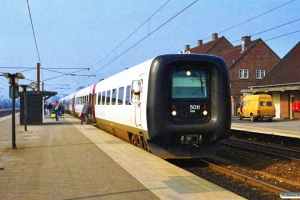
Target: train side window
103	98
99	98
127	97
113	96
108	97
120	95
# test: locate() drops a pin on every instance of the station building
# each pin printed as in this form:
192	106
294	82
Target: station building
283	84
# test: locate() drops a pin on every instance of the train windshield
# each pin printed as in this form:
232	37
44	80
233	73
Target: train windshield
189	84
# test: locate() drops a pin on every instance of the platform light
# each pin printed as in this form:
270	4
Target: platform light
13	78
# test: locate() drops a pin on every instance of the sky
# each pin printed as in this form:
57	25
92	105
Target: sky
79	42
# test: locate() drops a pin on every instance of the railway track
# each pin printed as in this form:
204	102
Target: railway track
5	112
289	153
238	183
252	170
246	179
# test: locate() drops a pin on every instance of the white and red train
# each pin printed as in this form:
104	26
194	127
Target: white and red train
174	106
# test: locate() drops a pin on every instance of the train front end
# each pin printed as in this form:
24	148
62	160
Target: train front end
188	107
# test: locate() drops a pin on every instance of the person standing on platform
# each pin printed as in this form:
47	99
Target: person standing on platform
49	107
56	110
86	112
62	109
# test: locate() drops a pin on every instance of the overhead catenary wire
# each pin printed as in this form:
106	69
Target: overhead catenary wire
133	32
141	40
149	31
271	29
148	35
128	37
248	20
32	27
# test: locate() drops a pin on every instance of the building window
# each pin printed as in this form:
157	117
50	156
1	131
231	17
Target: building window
260	74
244	74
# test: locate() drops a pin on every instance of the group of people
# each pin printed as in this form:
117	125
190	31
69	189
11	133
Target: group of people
59	110
56	108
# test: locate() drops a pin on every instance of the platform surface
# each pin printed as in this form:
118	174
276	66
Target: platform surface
282	127
66	160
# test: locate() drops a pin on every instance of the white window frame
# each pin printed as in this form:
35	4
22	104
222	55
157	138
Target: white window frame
244	74
260	73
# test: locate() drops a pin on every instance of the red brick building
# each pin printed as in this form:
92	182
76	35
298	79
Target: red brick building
215	46
283	83
247	63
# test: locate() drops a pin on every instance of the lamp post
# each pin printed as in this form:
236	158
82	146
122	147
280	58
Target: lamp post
13	80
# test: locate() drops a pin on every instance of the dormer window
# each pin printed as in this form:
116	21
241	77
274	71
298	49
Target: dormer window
243	74
260	73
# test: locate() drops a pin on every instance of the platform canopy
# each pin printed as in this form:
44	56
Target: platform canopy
45	94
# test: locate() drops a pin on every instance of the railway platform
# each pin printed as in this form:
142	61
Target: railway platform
279	127
66	160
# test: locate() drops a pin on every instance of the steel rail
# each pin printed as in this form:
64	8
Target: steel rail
246	179
264	148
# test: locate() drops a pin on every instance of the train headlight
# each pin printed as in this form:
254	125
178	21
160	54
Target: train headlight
205	110
174	112
188	73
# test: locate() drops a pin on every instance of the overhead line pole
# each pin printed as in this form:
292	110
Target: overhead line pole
38	77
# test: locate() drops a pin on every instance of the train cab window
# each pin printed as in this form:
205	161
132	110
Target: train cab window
189	84
99	98
108	97
113	97
127	97
120	95
103	98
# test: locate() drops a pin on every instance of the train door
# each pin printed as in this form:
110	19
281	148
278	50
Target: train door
135	98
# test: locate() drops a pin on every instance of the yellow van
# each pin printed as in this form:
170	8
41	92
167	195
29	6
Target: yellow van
256	107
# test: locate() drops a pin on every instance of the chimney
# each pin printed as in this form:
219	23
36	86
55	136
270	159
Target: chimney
245	41
214	36
200	43
187	47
